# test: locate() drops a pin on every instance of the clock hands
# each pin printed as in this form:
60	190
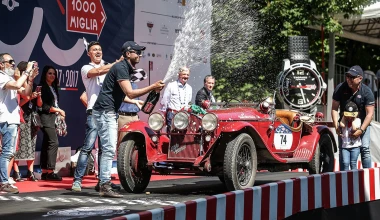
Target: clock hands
303	95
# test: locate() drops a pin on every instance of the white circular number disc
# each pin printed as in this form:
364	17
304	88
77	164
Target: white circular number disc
283	138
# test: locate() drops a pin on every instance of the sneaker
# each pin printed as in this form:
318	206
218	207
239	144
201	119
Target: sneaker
107	191
11	181
9	188
51	177
76	187
114	187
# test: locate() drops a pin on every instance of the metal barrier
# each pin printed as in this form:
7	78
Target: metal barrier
340	72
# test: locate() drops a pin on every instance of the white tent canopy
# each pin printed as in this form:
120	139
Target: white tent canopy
365	27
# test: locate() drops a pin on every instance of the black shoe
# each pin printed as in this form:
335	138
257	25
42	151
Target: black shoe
107	191
31	177
114	187
51	177
17	176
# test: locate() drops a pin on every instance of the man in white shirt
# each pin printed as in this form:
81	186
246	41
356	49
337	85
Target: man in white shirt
177	95
10	112
93	75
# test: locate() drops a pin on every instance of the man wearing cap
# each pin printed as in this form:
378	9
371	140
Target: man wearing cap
354	90
177	95
204	95
93	75
116	86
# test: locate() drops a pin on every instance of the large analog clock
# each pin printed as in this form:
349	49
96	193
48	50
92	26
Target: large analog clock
300	86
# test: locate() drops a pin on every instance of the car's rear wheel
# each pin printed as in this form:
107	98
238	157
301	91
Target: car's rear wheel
323	159
240	163
132	166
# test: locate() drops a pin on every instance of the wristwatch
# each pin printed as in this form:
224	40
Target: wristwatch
300	85
362	130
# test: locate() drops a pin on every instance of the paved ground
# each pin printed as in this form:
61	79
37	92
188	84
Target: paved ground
64	204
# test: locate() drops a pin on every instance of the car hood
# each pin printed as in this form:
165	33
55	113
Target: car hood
239	113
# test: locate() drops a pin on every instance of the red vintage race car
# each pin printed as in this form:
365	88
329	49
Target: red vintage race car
232	142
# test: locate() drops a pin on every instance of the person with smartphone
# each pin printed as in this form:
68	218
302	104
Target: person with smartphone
9	112
27	131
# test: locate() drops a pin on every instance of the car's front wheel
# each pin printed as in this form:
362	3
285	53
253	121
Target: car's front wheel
132	166
240	163
323	159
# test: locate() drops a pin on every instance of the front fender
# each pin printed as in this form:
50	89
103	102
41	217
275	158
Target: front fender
142	131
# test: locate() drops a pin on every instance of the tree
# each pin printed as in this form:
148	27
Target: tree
250	40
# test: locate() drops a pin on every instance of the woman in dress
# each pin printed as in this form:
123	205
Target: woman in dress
27	132
48	111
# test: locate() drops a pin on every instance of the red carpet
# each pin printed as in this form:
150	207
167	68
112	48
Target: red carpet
88	181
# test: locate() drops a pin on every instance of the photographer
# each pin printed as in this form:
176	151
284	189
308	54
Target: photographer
9	111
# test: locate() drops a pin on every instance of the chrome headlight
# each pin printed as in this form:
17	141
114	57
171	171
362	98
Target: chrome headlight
209	122
156	121
181	120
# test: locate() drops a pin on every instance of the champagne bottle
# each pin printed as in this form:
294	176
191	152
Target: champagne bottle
150	102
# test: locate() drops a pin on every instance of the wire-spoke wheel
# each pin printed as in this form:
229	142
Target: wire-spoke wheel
240	163
323	159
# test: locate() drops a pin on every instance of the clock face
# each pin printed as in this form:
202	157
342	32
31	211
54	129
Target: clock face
300	87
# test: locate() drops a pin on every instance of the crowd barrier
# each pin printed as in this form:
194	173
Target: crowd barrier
276	200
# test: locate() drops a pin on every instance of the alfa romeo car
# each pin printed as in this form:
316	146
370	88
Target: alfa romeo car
231	140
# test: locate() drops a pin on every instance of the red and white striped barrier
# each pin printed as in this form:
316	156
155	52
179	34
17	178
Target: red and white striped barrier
336	166
276	200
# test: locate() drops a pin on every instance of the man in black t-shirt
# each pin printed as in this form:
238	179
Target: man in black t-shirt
115	87
354	90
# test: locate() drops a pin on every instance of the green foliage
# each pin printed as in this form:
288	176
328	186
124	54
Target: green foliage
250	40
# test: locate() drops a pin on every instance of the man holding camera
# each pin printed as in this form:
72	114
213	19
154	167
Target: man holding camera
9	112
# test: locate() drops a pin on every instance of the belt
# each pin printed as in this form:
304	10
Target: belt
89	111
127	113
171	110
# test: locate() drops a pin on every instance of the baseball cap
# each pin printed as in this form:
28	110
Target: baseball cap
351	109
355	71
131	45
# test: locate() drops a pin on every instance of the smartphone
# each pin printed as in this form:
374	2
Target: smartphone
38	89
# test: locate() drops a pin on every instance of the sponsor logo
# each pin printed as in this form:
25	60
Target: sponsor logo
178	30
153	55
177	149
150	25
10	4
158	55
171	56
148	54
164	30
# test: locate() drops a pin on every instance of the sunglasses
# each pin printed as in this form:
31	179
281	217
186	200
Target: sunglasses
138	52
10	61
351	77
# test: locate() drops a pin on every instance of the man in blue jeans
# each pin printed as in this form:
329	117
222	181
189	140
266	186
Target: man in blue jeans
93	75
9	112
114	89
354	90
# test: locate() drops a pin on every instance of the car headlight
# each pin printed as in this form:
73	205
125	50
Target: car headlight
156	121
181	120
209	122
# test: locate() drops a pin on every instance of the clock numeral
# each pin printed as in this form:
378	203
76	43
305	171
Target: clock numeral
300	101
300	72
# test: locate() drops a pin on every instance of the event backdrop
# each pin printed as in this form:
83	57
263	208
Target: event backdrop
51	32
